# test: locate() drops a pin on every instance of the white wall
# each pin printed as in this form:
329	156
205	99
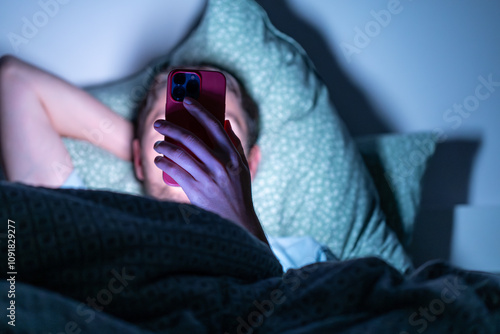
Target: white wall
93	41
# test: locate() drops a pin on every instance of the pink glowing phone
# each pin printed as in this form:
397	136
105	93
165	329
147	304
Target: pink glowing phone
209	88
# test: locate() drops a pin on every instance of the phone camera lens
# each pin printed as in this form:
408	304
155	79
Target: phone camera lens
193	89
179	78
178	93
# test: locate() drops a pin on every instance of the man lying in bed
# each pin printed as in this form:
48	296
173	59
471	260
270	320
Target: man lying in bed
37	109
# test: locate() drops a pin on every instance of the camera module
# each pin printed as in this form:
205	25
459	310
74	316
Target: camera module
185	84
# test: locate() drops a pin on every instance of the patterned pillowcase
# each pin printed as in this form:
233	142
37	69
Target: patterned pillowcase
397	164
312	179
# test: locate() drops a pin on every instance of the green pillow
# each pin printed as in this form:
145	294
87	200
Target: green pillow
312	179
397	164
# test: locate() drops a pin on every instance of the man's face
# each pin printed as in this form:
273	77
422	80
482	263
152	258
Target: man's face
144	153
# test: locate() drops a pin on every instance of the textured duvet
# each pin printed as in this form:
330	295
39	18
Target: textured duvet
102	262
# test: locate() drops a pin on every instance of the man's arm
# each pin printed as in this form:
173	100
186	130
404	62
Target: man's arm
36	109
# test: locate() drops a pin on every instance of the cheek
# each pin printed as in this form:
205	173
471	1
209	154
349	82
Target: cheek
149	153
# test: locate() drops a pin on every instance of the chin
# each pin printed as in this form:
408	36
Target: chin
161	191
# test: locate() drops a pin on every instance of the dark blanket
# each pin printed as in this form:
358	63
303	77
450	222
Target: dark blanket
102	262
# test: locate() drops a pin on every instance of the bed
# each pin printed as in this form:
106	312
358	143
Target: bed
110	260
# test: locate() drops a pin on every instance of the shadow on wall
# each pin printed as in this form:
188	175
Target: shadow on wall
348	99
444	185
446	182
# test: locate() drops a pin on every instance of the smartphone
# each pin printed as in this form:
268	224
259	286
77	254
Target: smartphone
209	88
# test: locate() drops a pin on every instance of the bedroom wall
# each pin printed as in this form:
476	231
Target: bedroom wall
89	42
402	73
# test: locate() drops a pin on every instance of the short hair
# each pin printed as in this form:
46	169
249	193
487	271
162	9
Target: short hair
158	80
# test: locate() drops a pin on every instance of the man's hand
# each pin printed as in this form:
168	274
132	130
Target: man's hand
217	180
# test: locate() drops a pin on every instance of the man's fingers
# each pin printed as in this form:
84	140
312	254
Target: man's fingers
175	171
179	164
209	122
186	138
215	162
195	149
